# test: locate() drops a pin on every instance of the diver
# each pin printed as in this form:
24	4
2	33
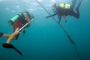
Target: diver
17	22
65	10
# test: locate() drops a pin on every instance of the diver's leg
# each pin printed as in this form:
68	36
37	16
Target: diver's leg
73	4
80	1
77	15
12	35
5	35
8	45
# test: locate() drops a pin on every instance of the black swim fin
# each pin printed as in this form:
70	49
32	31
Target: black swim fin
18	51
6	45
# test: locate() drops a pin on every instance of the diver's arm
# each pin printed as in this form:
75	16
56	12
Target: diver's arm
54	14
27	17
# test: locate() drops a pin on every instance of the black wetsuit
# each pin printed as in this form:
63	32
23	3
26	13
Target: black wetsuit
67	12
60	12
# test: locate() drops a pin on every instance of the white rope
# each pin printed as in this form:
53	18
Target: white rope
24	26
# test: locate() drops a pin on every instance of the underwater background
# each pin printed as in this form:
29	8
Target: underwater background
45	39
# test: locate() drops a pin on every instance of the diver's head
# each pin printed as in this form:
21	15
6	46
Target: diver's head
30	15
54	7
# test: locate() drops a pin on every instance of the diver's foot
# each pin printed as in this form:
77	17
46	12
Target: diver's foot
1	34
7	45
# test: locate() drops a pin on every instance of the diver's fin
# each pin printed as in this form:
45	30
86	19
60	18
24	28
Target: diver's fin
18	51
7	45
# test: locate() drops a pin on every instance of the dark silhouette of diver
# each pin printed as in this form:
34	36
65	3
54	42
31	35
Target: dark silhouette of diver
18	22
65	10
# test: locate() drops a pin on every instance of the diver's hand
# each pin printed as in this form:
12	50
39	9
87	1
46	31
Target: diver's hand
47	17
28	20
16	31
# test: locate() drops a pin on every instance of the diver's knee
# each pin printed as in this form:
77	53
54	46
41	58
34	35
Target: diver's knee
78	17
15	38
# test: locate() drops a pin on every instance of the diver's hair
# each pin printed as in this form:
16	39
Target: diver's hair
30	15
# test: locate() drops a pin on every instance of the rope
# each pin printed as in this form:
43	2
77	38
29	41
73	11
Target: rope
59	24
73	43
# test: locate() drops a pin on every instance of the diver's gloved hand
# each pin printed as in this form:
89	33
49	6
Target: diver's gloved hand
1	34
47	17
